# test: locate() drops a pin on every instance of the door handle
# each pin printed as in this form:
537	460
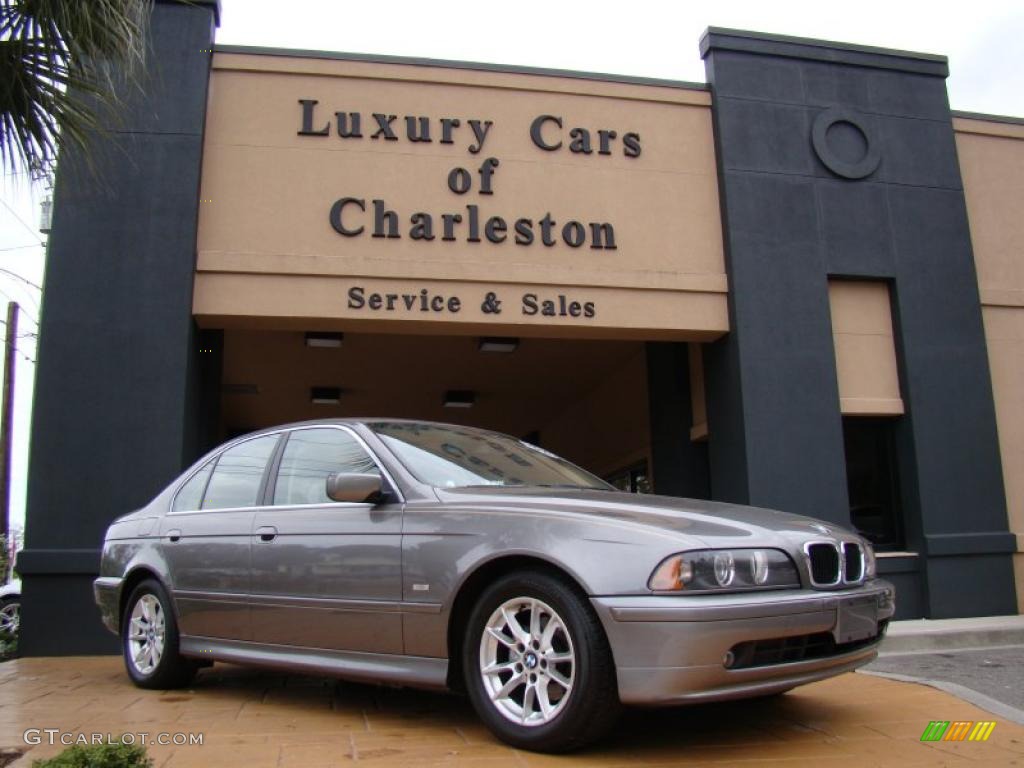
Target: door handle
267	533
174	534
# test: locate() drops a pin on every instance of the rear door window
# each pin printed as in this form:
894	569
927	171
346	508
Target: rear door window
191	493
239	472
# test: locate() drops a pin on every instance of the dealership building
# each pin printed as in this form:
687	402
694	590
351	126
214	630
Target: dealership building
799	285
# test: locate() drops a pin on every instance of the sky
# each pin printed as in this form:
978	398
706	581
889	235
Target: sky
639	37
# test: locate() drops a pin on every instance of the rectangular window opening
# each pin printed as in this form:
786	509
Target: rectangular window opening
873	482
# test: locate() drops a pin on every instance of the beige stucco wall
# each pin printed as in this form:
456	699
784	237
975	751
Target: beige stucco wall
992	164
268	253
862	335
575	392
608	428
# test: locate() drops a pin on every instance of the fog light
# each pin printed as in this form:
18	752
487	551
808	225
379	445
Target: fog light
728	660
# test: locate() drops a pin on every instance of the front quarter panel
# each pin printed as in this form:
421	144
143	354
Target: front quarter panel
444	544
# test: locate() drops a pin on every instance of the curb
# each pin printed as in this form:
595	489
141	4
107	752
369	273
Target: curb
922	635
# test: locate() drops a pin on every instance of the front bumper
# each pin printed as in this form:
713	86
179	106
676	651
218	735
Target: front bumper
680	649
107	592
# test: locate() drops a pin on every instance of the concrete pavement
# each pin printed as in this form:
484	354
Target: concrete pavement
253	719
980	660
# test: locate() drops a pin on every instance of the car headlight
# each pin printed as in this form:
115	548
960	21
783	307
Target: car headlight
870	569
724	570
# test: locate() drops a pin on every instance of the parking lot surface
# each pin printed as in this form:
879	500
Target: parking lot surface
252	718
997	673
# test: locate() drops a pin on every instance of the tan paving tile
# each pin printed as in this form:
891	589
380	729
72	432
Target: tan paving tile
475	732
699	760
315	755
993	749
288	725
818	730
401	752
40	752
247	755
252	718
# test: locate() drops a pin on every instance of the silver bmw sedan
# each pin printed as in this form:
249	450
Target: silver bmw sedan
447	557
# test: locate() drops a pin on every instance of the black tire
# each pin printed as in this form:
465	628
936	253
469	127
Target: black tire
171	669
583	713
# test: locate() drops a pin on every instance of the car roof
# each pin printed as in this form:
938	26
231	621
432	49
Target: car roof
13	587
366	420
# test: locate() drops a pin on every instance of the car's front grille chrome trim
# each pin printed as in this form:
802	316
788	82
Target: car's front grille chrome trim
832	564
824	564
853	562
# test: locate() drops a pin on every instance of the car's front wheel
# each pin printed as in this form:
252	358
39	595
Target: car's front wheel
149	639
537	665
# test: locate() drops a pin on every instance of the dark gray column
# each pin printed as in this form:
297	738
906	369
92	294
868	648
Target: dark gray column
680	466
840	161
120	376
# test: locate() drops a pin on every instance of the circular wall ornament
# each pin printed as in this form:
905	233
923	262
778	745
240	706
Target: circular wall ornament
843	158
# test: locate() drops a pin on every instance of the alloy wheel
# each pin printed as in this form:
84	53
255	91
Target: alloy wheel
527	661
10	618
146	634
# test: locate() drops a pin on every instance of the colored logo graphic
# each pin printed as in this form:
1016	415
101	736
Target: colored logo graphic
958	730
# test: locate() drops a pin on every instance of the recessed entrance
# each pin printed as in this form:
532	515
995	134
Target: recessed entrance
583	399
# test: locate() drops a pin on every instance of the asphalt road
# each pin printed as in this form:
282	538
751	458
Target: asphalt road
994	672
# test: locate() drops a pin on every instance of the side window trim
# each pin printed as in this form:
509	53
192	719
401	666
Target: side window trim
268	499
381	466
263	477
213	468
266	496
212	464
206	485
268	483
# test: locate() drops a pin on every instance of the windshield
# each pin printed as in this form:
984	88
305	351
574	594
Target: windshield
459	457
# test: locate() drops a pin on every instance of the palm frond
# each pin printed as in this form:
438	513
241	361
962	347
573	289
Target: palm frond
61	62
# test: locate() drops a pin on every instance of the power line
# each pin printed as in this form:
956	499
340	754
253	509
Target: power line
29	288
35	304
28	335
28	359
19	277
20	352
21	247
14	213
23	310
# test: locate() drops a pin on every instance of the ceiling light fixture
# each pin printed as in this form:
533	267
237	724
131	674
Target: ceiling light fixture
322	339
459	398
325	395
499	344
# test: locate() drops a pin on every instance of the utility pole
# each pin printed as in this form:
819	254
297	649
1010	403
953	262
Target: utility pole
6	415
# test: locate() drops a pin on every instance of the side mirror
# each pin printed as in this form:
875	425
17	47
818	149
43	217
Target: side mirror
355	487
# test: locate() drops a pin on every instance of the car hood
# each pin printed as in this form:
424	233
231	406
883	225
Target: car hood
714	523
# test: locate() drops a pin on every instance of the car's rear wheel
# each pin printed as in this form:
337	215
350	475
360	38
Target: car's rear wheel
537	665
149	639
10	615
